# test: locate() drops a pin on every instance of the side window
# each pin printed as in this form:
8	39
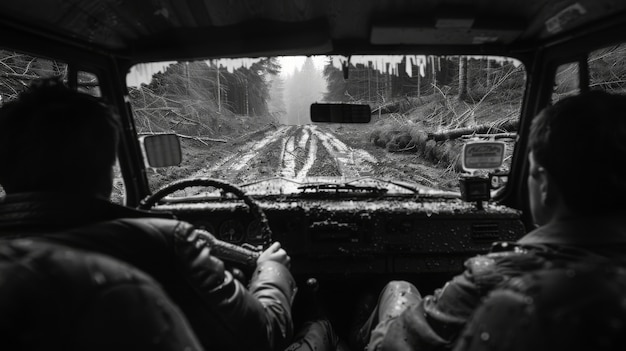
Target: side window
118	194
566	81
18	70
607	69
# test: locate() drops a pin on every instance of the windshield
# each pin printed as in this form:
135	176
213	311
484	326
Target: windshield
247	121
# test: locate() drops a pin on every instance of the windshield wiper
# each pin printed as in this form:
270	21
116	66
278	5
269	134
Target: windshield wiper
416	189
342	188
402	185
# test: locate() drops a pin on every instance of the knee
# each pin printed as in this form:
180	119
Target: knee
400	286
396	297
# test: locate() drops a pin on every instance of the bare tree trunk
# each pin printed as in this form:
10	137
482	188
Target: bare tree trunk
219	93
369	75
462	77
377	73
434	71
246	97
488	72
419	82
187	76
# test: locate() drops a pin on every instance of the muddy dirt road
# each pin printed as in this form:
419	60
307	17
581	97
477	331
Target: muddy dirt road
294	152
302	153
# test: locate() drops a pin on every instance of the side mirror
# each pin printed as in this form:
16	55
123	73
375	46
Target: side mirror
482	155
341	113
477	155
161	150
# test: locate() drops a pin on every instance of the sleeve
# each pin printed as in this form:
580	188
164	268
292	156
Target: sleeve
437	320
263	310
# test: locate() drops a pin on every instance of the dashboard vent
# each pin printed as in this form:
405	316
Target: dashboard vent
485	232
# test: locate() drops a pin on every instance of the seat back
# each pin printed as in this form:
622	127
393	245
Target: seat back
56	298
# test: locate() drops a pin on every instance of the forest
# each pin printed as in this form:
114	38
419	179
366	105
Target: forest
418	102
197	93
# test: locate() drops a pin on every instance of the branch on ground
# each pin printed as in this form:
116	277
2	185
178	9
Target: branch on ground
196	138
493	136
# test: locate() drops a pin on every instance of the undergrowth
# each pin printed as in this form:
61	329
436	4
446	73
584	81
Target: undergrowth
413	127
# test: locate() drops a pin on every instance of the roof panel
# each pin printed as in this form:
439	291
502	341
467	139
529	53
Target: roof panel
130	26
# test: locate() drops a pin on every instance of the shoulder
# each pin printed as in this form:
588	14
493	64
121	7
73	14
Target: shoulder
59	296
580	306
67	266
46	277
157	229
507	258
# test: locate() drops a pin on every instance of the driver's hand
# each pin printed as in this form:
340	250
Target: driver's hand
276	254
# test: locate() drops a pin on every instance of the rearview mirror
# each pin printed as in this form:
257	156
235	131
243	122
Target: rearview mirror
482	155
161	150
340	113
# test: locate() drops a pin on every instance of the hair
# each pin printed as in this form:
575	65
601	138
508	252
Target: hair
54	139
581	142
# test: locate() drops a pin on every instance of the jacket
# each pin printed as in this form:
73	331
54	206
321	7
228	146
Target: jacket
436	321
223	313
580	307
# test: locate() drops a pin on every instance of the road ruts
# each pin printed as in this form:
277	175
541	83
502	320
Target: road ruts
297	149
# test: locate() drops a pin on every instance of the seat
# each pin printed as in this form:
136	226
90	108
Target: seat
55	298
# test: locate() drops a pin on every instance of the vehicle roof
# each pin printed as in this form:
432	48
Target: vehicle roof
143	30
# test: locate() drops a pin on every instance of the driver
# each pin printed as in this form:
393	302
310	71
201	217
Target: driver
57	151
576	188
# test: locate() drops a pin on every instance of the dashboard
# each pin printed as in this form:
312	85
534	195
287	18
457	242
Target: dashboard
352	236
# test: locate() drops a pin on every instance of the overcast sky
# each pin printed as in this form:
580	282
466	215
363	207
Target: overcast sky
289	63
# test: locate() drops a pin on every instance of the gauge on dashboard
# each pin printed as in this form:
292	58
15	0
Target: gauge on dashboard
254	234
232	231
205	225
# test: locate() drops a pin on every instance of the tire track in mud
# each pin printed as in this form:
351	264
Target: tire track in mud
230	166
288	158
294	152
312	154
352	162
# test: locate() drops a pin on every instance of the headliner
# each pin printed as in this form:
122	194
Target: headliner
158	29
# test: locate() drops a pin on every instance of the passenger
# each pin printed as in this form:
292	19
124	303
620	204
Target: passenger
54	298
578	308
57	151
576	185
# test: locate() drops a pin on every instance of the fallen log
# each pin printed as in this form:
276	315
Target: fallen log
494	128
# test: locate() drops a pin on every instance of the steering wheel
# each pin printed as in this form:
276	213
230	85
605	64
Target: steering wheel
266	233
